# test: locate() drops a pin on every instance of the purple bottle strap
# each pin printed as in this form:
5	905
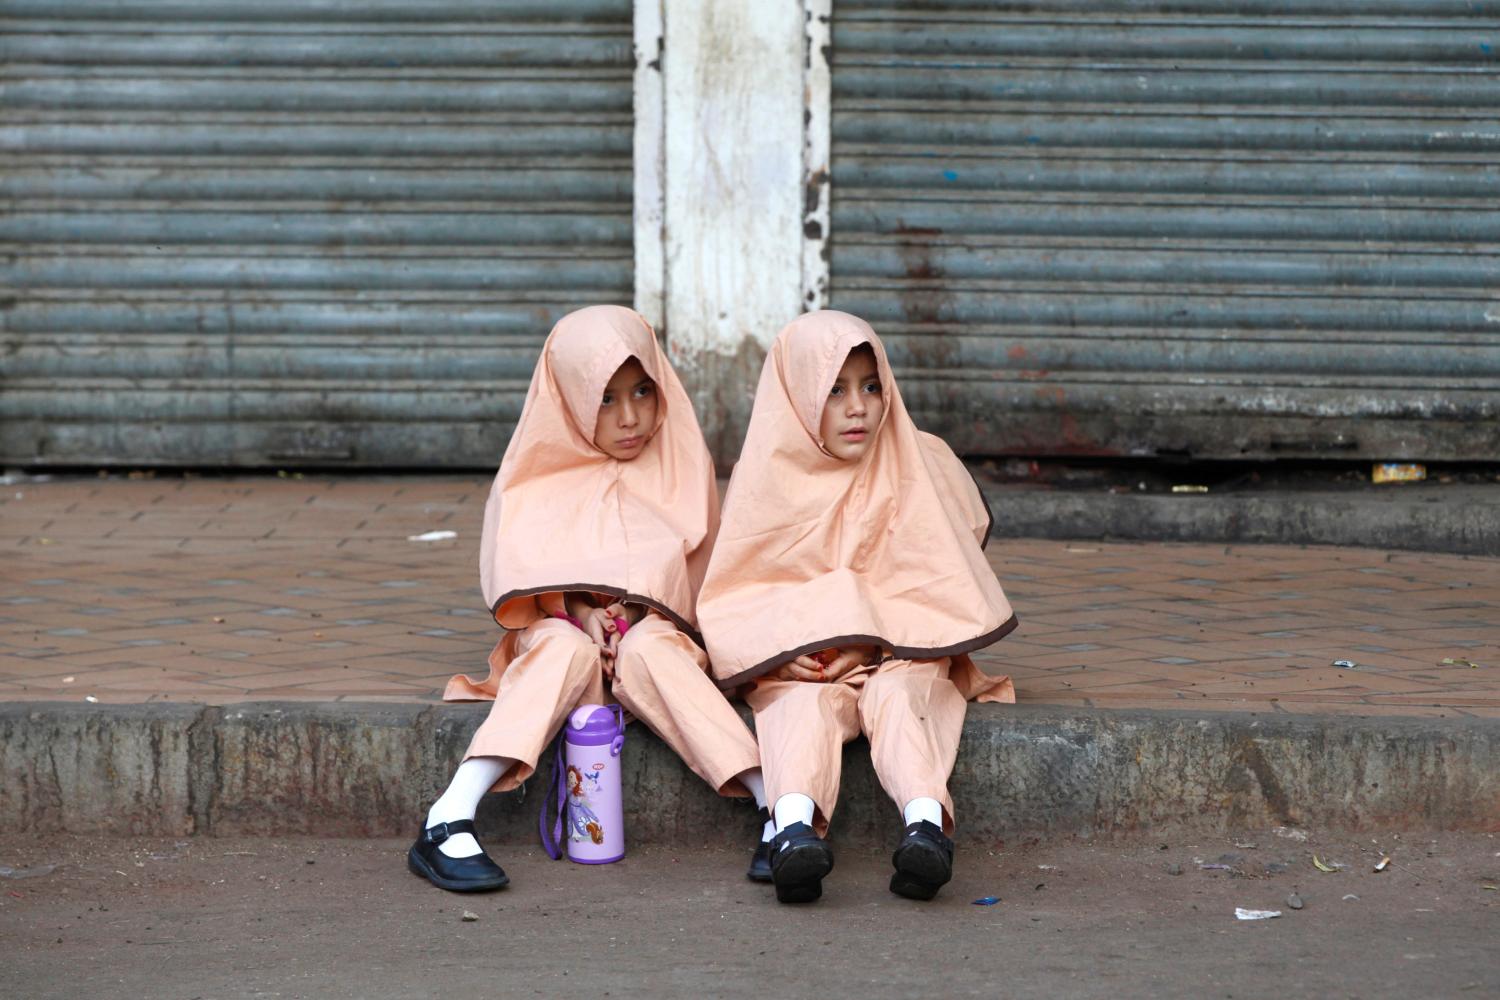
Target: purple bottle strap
553	844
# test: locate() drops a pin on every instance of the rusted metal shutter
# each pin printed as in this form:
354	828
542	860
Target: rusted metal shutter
331	232
1225	229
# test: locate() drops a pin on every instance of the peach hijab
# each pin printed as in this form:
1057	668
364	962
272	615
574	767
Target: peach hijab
563	515
815	552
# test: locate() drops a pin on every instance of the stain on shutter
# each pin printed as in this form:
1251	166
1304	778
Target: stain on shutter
1224	229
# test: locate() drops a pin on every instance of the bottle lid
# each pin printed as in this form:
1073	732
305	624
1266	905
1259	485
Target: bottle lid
592	725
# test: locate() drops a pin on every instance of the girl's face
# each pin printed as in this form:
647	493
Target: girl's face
852	412
627	413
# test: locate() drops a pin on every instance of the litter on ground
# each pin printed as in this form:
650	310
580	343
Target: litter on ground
1243	914
6	871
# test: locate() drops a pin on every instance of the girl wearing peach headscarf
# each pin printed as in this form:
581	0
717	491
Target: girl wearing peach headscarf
596	537
846	589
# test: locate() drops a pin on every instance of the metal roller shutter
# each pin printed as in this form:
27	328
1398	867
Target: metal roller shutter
245	232
1224	229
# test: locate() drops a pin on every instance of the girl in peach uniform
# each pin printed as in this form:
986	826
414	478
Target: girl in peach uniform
596	537
846	588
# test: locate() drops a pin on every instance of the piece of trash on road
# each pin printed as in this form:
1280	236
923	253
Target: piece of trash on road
1048	868
1491	888
1349	895
69	680
1398	472
1322	866
1458	661
1295	901
1383	863
432	536
470	916
90	699
218	620
1345	664
1290	833
1217	867
986	901
1243	914
1247	846
6	871
1189	488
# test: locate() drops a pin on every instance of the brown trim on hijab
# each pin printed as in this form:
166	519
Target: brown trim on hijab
599	588
897	652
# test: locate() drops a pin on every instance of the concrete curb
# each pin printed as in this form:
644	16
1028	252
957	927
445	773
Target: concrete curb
342	769
1458	520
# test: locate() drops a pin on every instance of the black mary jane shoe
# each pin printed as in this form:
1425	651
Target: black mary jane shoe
760	861
476	873
799	861
923	861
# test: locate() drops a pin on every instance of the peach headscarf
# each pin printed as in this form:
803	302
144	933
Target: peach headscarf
815	552
563	515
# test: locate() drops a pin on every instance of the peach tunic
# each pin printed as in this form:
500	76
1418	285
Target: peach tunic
563	515
814	552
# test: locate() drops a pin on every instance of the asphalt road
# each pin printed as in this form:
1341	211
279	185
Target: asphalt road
222	918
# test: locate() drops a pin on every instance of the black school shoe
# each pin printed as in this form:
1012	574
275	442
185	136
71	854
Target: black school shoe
924	862
476	873
760	861
799	861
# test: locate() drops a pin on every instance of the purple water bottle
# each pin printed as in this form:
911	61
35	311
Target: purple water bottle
589	790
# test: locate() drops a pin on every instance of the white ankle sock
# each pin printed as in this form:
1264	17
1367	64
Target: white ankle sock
473	778
919	809
756	786
794	807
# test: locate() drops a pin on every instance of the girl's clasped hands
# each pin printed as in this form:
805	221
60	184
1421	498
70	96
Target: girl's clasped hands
605	626
826	665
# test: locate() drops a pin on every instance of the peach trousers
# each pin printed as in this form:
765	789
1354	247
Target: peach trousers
911	711
660	678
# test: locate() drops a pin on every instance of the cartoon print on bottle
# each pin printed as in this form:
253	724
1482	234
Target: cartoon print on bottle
582	821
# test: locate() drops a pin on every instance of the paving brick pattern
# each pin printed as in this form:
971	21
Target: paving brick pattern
224	590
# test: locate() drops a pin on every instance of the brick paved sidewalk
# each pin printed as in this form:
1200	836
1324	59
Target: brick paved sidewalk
223	590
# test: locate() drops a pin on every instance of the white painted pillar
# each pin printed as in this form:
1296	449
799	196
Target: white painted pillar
731	194
649	156
817	152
